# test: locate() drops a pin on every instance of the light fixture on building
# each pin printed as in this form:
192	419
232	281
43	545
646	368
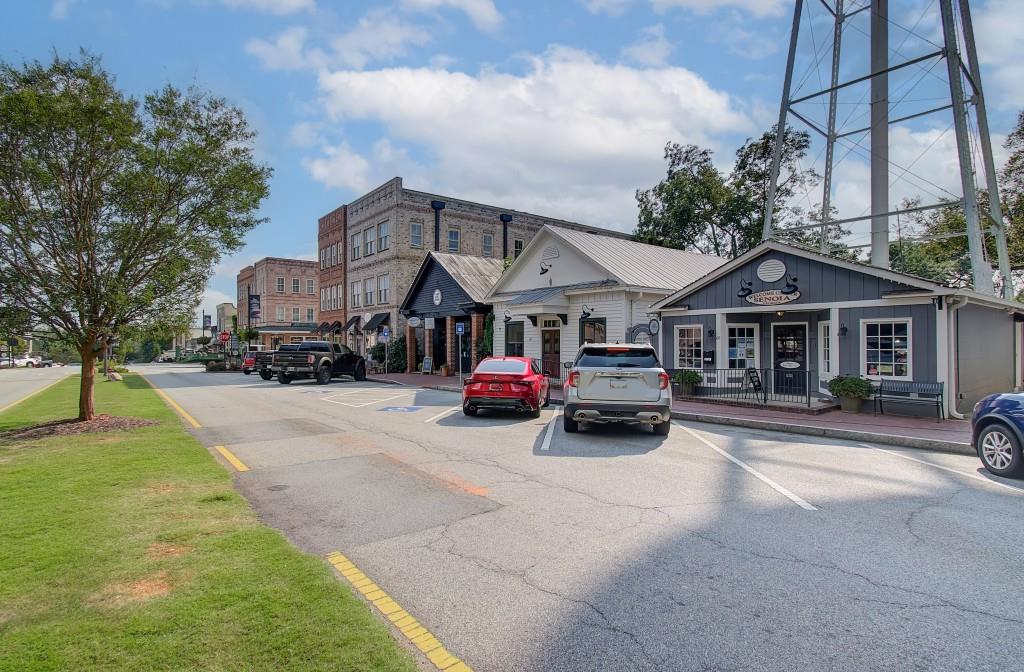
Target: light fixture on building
711	333
780	313
508	317
544	267
790	287
842	329
585	311
745	289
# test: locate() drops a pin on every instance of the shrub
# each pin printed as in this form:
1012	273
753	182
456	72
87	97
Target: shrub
852	387
689	377
396	355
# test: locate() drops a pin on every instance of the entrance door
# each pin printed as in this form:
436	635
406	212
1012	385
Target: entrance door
551	351
790	363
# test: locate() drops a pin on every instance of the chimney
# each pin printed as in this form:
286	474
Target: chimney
438	206
505	219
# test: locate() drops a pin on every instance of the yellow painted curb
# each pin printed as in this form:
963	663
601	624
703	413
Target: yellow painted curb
230	457
410	628
171	402
32	394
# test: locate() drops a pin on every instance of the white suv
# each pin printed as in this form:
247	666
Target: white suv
609	382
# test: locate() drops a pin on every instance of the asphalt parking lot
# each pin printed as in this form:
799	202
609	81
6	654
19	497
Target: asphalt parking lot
523	548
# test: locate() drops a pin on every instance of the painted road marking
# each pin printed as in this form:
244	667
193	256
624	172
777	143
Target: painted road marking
364	397
442	414
750	470
32	394
418	635
172	403
399	409
230	457
977	477
550	431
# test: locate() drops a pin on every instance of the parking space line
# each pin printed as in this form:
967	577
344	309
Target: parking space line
372	401
799	501
230	457
549	432
977	477
406	623
442	414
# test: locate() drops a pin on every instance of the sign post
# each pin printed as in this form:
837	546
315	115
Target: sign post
460	329
385	336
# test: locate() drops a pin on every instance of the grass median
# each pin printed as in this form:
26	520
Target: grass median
130	550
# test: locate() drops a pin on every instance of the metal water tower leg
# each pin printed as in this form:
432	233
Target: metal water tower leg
994	201
880	133
780	134
980	268
830	140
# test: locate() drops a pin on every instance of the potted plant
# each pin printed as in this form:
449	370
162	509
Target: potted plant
443	368
851	390
687	382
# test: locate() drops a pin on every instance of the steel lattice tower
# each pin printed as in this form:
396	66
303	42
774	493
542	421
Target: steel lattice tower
965	101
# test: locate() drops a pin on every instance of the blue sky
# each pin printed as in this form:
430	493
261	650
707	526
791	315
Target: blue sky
556	108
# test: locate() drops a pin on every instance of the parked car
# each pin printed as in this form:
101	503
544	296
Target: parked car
997	433
317	359
617	383
29	361
511	383
262	360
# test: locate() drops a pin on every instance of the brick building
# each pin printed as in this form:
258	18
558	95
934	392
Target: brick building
381	239
279	298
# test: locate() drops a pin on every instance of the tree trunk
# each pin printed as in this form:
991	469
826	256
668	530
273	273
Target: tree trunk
86	407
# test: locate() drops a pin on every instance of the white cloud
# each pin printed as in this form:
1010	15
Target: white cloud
277	7
609	7
482	13
286	52
572	137
999	49
304	134
59	9
755	7
377	36
652	49
753	44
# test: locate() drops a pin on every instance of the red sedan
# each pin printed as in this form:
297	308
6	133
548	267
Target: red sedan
511	383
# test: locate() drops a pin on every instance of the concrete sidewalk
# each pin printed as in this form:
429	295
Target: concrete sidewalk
952	436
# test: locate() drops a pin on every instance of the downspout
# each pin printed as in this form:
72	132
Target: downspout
505	219
955	303
438	206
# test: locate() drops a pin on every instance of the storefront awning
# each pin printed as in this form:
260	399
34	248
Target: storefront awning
336	326
324	327
353	323
376	321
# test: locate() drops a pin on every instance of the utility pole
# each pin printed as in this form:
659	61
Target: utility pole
880	133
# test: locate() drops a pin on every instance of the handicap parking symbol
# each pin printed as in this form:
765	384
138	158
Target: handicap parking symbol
399	409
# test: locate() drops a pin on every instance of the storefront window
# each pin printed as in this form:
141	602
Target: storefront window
593	331
689	347
886	349
742	347
824	348
514	339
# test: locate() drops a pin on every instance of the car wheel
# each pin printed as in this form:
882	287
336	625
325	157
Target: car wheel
661	429
569	425
999	450
360	373
469	411
247	372
266	375
284	378
30	365
535	412
323	375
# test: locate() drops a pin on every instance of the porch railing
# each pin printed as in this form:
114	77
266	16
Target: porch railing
758	386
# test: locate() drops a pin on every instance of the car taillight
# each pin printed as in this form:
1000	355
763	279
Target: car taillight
574	378
468	381
309	358
522	383
663	381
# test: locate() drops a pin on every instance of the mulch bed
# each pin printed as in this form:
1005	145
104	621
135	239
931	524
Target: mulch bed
101	423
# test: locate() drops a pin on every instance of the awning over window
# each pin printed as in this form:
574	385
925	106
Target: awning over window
353	323
336	326
324	327
376	321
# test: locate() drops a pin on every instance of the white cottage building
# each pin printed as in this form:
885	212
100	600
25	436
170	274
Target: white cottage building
570	287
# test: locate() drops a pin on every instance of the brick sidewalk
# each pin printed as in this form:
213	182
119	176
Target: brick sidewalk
916	432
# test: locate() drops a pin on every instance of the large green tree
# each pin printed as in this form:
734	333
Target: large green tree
113	210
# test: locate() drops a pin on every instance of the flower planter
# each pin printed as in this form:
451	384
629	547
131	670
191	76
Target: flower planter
850	404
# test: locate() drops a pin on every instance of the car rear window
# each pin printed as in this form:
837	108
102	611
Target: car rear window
634	358
501	366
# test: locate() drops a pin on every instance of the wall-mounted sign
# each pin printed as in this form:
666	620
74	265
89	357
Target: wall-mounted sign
771	270
654	326
772	297
413	322
789	365
367	317
437	297
428	323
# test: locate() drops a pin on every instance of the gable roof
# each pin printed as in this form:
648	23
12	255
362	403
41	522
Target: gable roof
856	266
628	262
475	275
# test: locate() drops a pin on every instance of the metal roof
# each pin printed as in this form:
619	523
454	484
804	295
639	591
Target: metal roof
376	321
541	295
639	264
476	275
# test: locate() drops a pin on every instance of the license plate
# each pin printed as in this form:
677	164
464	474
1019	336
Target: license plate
617	384
494	387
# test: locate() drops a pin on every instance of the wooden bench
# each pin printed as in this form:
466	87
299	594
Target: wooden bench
910	392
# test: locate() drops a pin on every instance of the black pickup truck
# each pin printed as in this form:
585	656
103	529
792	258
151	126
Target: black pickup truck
264	359
320	360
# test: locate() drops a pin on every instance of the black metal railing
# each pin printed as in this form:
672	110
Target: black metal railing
758	386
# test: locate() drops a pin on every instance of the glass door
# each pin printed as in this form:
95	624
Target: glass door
789	345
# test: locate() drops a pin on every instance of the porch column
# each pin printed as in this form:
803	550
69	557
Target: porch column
428	343
451	343
410	349
721	341
833	345
476	331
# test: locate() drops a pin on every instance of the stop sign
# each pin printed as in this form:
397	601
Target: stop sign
224	337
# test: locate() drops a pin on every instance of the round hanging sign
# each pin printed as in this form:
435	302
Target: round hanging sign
413	322
789	365
771	270
437	297
654	326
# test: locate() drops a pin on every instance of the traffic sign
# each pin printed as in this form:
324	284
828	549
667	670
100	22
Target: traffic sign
224	337
385	332
460	328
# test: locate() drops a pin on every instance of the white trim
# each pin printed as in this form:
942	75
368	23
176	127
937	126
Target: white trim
942	352
822	378
721	336
910	346
833	317
798	307
757	343
807	341
1018	346
675	344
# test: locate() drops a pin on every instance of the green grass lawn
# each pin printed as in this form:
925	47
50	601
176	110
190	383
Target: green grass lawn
131	551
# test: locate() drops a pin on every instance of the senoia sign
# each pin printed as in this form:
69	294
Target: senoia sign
772	297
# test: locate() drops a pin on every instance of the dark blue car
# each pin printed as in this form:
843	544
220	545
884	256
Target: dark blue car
997	433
